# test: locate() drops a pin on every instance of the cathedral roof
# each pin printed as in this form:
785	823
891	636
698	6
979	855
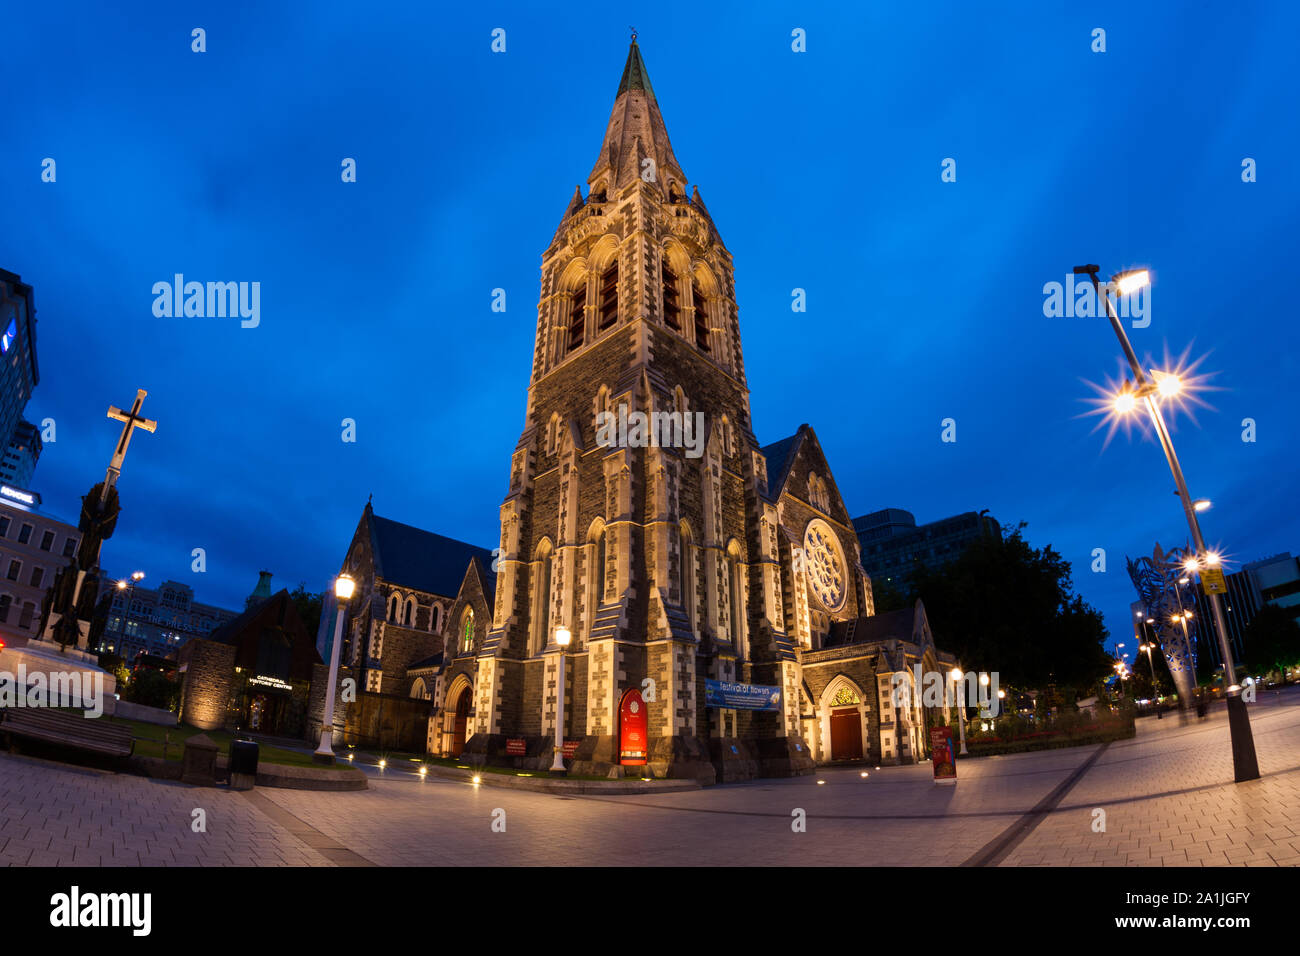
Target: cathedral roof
780	457
635	132
415	558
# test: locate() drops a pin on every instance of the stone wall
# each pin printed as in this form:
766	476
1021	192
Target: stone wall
207	682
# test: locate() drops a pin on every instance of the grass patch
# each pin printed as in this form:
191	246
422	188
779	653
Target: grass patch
149	743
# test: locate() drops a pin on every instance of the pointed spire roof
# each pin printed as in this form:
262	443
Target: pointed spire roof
635	132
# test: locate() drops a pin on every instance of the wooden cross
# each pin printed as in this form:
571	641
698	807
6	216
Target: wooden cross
131	421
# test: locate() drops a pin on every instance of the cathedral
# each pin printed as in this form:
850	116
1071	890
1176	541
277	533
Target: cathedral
685	564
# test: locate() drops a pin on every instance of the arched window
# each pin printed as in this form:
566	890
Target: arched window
392	609
737	580
435	618
467	631
541	596
686	569
672	301
409	619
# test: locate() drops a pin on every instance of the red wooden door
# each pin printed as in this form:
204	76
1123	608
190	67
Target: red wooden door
462	722
846	734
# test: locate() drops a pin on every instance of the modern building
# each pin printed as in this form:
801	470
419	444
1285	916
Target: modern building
19	373
132	620
34	546
18	465
893	543
1273	580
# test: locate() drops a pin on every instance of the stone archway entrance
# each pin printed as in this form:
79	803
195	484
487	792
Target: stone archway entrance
460	723
843	721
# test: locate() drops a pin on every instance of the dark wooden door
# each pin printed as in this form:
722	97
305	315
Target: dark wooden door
462	722
846	734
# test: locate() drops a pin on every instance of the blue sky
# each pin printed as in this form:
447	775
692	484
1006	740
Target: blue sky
821	169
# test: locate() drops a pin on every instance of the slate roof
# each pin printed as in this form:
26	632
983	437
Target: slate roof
429	562
780	456
892	625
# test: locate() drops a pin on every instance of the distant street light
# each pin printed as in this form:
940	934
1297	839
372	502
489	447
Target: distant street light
1244	762
961	709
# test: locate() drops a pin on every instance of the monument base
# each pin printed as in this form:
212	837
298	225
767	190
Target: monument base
68	679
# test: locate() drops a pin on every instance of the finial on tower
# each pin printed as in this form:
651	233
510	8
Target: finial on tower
633	29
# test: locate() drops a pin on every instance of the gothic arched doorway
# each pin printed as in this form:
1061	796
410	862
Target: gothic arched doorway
461	724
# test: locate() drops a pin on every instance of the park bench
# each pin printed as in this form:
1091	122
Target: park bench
66	728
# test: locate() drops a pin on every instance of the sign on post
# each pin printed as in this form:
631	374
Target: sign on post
1212	581
942	758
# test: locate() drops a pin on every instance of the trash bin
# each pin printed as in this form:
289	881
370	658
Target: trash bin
243	764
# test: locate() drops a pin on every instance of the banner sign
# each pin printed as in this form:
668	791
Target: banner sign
632	729
733	696
941	755
515	747
570	747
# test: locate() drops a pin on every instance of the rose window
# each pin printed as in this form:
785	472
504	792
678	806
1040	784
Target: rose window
825	564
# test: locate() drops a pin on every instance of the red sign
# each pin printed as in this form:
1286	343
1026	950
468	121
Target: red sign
941	755
633	734
515	747
570	747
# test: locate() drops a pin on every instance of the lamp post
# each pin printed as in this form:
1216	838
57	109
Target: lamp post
1244	763
129	588
961	709
562	637
1146	646
344	586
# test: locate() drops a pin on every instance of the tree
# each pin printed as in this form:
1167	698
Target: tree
1005	606
1271	641
308	604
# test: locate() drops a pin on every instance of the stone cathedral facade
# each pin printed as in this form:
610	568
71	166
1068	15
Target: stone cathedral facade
702	555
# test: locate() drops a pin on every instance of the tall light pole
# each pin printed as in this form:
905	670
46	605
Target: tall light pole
129	588
1244	763
1146	646
961	709
344	586
562	637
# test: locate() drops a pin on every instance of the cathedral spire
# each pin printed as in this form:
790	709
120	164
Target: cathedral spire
635	117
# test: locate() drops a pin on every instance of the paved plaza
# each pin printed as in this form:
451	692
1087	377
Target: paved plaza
1167	796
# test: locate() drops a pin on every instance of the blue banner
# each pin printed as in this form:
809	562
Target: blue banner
733	696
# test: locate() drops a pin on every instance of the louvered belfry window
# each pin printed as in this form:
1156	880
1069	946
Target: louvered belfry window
672	306
701	319
577	318
609	297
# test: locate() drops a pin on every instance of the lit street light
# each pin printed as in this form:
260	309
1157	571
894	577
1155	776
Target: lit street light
961	709
344	587
1245	765
562	638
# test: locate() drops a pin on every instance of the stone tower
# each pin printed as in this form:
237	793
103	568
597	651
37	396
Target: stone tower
662	558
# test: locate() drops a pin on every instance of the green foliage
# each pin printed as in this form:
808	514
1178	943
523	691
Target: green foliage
308	604
1005	606
153	689
1271	640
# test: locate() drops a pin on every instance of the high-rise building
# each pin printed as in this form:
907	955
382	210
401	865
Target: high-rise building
892	542
1274	580
19	373
19	462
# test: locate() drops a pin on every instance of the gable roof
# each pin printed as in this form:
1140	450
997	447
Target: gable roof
780	457
415	558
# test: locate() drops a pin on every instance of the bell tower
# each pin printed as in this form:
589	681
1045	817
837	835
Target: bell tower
656	549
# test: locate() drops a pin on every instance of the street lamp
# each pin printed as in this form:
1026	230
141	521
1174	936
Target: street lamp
1244	763
344	587
562	638
129	588
961	710
1146	646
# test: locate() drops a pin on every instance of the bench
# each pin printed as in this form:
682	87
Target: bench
67	728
